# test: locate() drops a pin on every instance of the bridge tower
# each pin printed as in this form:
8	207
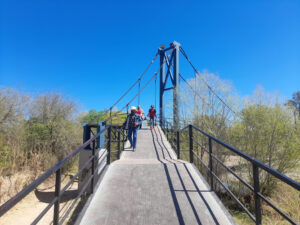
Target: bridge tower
169	57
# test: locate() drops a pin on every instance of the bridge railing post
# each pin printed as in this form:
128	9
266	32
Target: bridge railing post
178	143
191	143
257	203
108	144
167	131
93	168
211	164
57	194
119	142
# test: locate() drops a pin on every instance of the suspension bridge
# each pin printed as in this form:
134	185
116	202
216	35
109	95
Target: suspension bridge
167	180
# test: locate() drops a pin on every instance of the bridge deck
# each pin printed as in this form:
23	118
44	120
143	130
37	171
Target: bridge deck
150	186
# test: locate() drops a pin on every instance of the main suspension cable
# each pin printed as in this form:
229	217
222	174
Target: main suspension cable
194	90
127	105
129	89
139	90
196	94
116	113
190	86
205	82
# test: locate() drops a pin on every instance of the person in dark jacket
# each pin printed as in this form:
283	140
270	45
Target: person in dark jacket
132	123
152	115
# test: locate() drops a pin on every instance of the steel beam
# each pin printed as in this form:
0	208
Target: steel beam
168	89
161	85
172	60
176	84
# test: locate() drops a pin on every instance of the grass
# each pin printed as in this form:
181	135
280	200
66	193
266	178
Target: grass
285	198
241	217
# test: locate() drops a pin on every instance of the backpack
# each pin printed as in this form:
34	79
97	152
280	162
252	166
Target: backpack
132	120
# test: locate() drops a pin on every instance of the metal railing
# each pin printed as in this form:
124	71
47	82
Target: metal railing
119	136
173	136
114	134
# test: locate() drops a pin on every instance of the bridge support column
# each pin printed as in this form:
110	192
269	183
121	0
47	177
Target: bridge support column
165	75
88	131
161	85
176	85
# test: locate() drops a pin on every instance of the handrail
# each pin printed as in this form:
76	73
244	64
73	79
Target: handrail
255	164
18	197
263	166
100	166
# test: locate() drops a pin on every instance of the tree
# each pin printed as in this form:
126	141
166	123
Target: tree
294	104
51	128
35	136
12	108
102	115
201	105
12	116
267	134
295	101
93	115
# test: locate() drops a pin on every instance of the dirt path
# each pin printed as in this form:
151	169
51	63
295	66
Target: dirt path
33	204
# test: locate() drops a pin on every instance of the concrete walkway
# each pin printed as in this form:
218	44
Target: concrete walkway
150	186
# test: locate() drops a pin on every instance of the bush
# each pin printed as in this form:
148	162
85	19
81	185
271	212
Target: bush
269	135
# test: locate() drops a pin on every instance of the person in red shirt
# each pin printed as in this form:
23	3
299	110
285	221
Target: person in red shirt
152	115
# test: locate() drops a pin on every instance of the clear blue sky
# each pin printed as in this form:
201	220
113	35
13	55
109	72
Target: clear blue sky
92	51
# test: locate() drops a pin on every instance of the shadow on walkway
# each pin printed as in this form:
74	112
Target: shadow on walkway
164	152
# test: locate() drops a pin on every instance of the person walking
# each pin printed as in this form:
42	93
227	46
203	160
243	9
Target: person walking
132	123
152	115
140	112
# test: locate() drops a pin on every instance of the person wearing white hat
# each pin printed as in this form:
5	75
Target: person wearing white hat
132	123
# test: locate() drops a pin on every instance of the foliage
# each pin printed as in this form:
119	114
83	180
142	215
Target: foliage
294	106
12	116
269	135
96	117
93	115
35	132
205	110
50	128
12	108
284	197
295	101
261	127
